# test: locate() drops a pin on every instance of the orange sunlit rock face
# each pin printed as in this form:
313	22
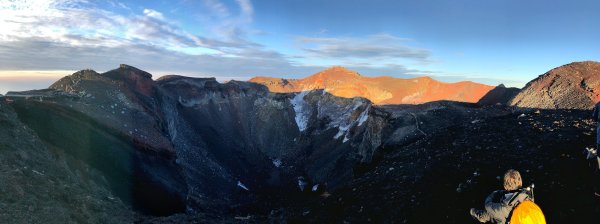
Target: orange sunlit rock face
342	82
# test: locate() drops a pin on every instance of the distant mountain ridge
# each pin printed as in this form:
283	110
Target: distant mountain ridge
381	90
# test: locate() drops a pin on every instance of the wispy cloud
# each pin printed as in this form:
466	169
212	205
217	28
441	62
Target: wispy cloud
119	4
217	8
385	47
227	24
154	14
38	54
247	10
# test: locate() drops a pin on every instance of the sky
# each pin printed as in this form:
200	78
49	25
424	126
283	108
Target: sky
486	41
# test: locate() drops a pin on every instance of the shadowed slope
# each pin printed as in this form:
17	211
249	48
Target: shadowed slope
499	95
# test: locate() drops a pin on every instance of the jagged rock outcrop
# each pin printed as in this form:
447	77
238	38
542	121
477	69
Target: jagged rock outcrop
572	86
381	90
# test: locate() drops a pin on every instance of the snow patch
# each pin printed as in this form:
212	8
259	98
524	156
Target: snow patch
315	187
239	184
301	183
345	138
344	121
364	116
302	110
342	129
277	163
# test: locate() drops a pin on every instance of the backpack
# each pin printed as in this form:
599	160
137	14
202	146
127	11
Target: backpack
527	212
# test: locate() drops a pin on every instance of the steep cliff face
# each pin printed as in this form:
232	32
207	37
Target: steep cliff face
242	130
571	86
381	90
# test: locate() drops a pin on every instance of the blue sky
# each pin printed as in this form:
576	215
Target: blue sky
488	41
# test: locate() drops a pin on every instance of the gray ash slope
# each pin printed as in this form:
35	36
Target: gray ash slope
177	149
39	184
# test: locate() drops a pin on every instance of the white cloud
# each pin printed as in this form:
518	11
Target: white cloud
79	23
75	34
154	14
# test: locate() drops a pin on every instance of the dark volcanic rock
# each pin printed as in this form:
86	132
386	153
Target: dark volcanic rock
40	184
240	128
417	183
122	99
499	96
571	86
185	143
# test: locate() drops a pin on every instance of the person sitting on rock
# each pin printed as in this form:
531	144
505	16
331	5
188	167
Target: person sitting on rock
500	203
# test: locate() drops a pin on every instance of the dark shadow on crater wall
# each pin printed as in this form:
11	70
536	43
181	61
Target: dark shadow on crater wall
144	180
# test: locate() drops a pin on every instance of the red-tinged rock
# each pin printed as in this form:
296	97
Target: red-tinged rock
572	86
381	90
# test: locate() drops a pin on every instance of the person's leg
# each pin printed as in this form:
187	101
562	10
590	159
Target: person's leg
598	156
480	215
596	180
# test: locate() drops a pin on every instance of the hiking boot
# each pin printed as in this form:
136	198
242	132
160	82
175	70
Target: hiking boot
479	215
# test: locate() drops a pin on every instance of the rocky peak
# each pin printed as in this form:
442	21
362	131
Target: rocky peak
137	79
571	86
500	95
132	71
71	83
338	72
